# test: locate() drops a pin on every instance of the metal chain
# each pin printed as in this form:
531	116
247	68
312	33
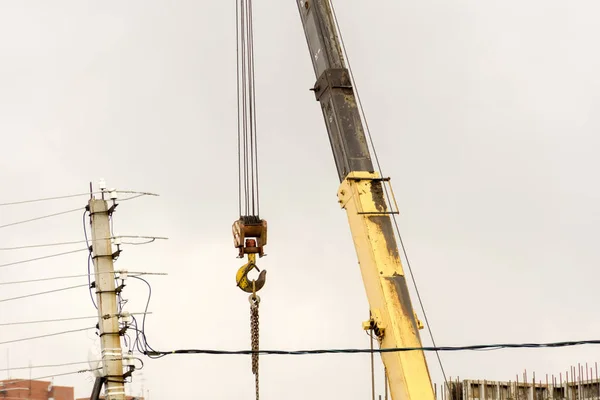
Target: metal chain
254	334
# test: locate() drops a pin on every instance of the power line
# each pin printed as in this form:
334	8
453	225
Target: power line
43	199
42	217
41	258
42	279
41	293
46	321
133	197
45	336
48	365
130	273
53	376
385	350
31	246
43	321
141	340
136	193
89	259
151	239
76	195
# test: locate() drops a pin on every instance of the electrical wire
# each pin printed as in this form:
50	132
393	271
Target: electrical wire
41	293
127	341
31	246
138	193
45	336
89	275
41	217
111	222
121	302
147	302
89	260
130	273
41	280
141	341
151	240
51	376
385	350
133	197
43	321
76	195
52	365
41	258
44	199
141	344
368	132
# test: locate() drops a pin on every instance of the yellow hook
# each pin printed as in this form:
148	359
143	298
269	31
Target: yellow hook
247	285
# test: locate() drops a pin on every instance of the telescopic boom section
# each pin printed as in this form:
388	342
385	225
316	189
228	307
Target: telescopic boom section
362	195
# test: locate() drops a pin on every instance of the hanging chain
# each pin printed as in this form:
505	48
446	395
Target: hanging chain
254	332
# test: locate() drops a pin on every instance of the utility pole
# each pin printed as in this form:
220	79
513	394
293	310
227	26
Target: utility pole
106	297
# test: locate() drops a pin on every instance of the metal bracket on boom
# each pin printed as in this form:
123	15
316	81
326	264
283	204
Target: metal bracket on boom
332	78
376	324
358	183
250	227
419	323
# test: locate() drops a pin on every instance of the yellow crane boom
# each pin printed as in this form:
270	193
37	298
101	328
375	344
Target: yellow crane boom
363	193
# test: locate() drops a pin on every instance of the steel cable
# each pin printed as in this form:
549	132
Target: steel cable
248	191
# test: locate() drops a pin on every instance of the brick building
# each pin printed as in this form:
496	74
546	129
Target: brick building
14	389
102	398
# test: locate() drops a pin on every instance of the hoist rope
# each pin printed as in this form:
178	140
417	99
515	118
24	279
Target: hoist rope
246	119
370	333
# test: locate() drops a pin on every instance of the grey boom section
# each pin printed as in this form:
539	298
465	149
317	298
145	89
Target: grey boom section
334	90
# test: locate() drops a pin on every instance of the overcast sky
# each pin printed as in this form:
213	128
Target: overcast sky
483	113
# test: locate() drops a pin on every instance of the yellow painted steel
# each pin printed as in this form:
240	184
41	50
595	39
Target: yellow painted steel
361	195
247	285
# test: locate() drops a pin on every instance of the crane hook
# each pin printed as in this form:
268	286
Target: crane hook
247	285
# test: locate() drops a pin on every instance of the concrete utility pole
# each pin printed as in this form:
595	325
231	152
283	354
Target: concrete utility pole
106	295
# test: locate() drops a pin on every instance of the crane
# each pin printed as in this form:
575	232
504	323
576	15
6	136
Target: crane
362	193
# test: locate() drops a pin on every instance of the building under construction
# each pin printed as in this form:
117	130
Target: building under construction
578	383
